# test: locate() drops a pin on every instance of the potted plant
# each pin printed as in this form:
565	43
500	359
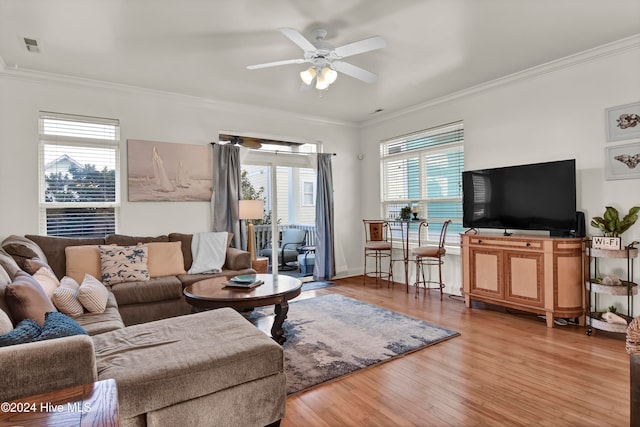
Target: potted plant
405	212
610	223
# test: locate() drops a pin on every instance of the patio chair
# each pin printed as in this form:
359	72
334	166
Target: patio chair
289	248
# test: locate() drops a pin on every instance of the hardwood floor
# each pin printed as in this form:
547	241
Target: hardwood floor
505	369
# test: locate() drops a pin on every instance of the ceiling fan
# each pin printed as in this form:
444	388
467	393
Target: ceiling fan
245	141
326	60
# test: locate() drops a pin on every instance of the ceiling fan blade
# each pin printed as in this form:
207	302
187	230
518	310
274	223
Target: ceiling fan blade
250	142
354	71
299	39
356	48
276	63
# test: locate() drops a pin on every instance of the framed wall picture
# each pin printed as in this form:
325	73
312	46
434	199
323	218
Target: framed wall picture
622	161
165	171
623	122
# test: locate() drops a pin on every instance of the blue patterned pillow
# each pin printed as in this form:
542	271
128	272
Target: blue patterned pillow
25	331
58	325
124	263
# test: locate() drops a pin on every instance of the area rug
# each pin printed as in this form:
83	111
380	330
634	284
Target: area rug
309	286
330	336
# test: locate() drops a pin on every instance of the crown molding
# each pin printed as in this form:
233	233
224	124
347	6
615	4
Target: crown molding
195	101
609	49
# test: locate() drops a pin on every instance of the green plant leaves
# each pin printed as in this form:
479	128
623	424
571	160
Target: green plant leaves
610	223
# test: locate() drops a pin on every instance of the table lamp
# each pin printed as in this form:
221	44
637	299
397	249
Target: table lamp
251	209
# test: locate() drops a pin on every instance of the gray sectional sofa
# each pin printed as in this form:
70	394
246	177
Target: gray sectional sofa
171	367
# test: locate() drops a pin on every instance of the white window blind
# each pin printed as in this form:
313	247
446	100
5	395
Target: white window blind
79	175
424	170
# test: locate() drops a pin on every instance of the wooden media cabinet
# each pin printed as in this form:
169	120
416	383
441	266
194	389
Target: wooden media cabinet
537	274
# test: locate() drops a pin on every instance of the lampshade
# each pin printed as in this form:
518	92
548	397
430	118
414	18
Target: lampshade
308	75
329	75
251	209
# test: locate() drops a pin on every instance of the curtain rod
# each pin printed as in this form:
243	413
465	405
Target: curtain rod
278	151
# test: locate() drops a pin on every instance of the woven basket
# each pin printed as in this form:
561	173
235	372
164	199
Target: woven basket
633	337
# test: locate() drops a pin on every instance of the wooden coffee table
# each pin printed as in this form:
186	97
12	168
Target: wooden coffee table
276	290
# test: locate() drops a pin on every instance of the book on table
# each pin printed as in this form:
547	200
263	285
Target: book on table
248	281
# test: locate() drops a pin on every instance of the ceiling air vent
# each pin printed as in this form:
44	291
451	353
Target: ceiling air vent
31	45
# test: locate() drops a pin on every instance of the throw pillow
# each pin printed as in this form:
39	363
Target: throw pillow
32	265
209	252
81	260
124	263
21	248
5	323
47	280
26	299
165	259
93	295
58	325
65	297
26	331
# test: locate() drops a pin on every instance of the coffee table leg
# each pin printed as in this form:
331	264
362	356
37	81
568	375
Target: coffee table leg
276	330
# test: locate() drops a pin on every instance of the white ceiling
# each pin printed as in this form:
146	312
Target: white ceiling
202	47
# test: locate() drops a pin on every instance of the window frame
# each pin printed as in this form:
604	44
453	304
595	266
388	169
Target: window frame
108	140
447	140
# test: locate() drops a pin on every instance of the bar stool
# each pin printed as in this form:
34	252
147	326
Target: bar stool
378	245
430	256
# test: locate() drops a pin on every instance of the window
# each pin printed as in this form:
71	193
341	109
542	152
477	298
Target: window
308	193
79	175
424	170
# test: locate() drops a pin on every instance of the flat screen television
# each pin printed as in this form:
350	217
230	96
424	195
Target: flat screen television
538	196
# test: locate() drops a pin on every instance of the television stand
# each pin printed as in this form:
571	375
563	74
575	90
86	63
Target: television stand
536	274
506	233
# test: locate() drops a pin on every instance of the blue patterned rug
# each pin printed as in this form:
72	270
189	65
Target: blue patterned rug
330	336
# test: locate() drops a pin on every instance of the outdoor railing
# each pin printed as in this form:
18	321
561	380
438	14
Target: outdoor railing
263	233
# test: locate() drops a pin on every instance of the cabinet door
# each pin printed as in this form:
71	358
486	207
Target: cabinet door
486	272
524	279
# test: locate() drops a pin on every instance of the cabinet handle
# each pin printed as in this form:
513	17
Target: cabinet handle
528	244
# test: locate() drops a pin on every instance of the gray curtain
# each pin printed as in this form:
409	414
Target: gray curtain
325	266
227	191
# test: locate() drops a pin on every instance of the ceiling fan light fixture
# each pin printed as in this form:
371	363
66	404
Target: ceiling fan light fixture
321	83
329	75
308	75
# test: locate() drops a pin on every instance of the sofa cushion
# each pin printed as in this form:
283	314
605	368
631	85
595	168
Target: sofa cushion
154	289
54	248
99	323
165	259
124	240
197	354
47	279
93	295
124	263
8	264
185	240
81	260
26	299
65	297
6	325
22	248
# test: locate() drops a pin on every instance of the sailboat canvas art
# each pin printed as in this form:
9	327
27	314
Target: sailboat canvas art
166	171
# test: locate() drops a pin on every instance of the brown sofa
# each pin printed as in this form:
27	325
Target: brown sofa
209	368
138	302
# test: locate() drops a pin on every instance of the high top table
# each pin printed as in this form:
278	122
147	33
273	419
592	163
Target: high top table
276	290
404	226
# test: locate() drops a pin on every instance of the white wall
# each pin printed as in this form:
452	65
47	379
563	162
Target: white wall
151	116
554	112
